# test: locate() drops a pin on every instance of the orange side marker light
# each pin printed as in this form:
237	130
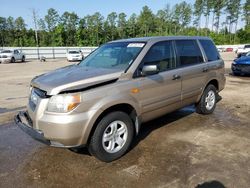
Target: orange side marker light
135	90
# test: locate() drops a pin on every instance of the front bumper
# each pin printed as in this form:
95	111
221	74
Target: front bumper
240	68
5	60
51	132
75	58
25	123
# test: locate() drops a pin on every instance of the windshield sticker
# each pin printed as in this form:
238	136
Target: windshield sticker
135	45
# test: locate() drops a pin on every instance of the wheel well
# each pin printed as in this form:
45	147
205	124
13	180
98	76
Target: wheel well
127	108
215	83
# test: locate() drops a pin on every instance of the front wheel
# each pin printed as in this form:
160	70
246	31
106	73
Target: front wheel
23	59
208	101
13	60
112	137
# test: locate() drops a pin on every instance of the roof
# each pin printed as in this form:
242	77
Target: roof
159	38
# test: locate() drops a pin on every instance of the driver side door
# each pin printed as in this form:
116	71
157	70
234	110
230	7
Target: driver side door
160	93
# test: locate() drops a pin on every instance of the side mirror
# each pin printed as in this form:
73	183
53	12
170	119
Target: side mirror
149	70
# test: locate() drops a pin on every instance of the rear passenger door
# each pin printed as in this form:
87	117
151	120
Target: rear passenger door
193	70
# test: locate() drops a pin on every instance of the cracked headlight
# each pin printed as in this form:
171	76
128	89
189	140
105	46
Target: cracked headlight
63	103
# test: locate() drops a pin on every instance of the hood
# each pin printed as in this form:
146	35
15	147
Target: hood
243	60
73	77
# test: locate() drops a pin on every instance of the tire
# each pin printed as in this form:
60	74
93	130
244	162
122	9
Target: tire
108	126
13	60
23	59
209	94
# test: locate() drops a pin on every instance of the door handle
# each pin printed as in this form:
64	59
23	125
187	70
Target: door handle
205	70
176	77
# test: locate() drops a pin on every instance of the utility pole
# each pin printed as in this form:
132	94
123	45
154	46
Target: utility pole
34	15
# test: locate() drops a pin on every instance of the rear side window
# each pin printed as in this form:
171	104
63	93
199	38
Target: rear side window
188	52
210	50
161	54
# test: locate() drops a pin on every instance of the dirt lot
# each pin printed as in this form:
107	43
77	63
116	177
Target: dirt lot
181	149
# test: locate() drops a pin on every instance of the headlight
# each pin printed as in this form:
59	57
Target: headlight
234	63
63	103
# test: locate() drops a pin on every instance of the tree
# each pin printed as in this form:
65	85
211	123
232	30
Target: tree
51	21
70	22
182	14
198	9
161	21
97	21
218	6
69	29
246	10
3	29
121	24
146	21
20	28
206	11
132	25
232	10
111	22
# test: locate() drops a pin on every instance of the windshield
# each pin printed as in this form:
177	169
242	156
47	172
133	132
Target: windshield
74	52
118	55
248	54
6	51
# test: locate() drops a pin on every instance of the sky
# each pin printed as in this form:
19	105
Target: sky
16	8
24	8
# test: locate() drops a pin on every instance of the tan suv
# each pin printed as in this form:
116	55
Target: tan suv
102	101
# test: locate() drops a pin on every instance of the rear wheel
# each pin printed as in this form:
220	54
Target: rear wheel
208	100
112	137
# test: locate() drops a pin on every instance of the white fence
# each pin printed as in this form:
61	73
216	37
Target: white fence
50	52
60	52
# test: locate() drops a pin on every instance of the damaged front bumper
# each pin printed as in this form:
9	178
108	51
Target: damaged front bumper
23	121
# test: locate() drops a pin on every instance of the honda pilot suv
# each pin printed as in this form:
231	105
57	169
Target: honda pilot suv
101	102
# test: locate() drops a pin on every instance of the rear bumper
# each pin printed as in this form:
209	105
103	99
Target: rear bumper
23	121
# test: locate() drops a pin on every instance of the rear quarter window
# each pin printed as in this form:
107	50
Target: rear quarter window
210	50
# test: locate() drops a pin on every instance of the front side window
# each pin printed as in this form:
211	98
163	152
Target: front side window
161	54
189	52
210	50
118	55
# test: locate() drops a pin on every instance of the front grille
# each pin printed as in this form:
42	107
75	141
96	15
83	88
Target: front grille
242	66
32	105
36	93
